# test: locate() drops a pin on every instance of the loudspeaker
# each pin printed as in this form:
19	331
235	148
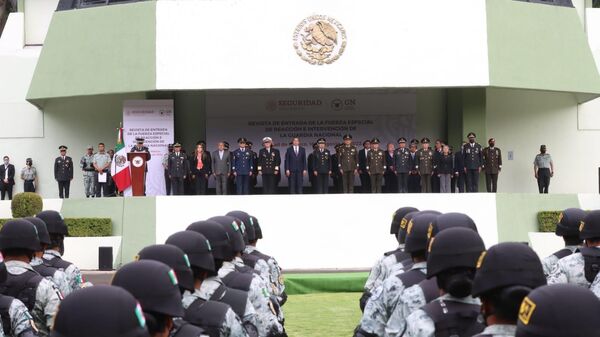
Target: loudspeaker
105	258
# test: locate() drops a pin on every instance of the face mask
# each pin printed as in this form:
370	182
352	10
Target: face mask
543	150
472	140
492	144
29	163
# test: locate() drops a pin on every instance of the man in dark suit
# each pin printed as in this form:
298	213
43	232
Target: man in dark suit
7	178
178	167
268	164
414	180
295	166
63	172
365	179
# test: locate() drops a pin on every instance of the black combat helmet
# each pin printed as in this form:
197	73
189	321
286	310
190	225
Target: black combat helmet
41	228
173	257
406	219
100	311
196	246
244	218
569	221
234	229
561	310
508	264
450	220
153	284
217	236
257	229
589	228
397	218
416	232
19	234
453	248
54	222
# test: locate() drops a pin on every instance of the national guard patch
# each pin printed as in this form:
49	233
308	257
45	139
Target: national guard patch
480	260
173	277
410	226
581	226
403	223
526	310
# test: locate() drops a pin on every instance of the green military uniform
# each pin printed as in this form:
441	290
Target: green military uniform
87	166
425	166
376	167
347	164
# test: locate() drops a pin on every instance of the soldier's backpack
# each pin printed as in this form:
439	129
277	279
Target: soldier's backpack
238	280
454	319
57	263
411	277
22	287
563	253
591	258
209	315
45	270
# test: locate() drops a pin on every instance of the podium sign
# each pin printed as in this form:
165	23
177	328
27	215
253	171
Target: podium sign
138	167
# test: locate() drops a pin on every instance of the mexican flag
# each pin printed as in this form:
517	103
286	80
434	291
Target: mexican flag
120	166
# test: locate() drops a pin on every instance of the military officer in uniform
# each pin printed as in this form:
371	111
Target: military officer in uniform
492	164
348	164
414	181
254	178
472	154
242	167
178	167
363	174
424	165
321	165
86	163
269	160
402	165
29	176
335	173
63	172
139	147
543	169
375	165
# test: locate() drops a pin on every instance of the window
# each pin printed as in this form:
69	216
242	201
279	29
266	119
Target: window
596	3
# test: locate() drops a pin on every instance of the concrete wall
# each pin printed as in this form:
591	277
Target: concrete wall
522	120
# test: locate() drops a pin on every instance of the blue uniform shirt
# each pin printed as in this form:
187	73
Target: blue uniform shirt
242	162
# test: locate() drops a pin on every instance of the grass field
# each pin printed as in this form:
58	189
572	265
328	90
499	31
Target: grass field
322	314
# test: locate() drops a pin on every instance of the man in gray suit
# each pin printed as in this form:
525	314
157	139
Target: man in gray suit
221	168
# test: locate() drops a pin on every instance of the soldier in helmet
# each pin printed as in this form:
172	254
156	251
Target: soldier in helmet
557	311
155	286
384	298
226	249
375	165
424	165
506	273
58	277
18	243
347	164
16	318
577	268
101	311
218	318
380	270
416	296
453	255
212	285
53	255
568	228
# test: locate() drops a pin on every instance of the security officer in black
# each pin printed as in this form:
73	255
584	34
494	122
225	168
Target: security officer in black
268	163
178	167
139	147
321	167
559	311
402	165
101	311
473	160
63	172
155	286
506	273
452	259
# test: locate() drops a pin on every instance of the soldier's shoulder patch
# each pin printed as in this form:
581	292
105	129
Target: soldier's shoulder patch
526	310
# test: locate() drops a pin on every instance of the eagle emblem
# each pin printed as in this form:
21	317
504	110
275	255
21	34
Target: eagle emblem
319	40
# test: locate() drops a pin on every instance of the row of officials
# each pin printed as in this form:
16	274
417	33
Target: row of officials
402	169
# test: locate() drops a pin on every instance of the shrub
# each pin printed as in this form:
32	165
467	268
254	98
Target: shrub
26	204
547	221
82	227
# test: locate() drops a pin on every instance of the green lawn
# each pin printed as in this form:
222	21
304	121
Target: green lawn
322	314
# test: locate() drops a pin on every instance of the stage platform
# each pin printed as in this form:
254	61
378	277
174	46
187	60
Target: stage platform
335	232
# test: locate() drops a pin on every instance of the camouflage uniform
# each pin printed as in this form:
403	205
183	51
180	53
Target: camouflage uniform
499	330
232	324
86	164
59	278
21	321
383	302
47	298
549	262
207	289
275	273
381	271
73	273
262	268
419	324
258	294
569	270
411	299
